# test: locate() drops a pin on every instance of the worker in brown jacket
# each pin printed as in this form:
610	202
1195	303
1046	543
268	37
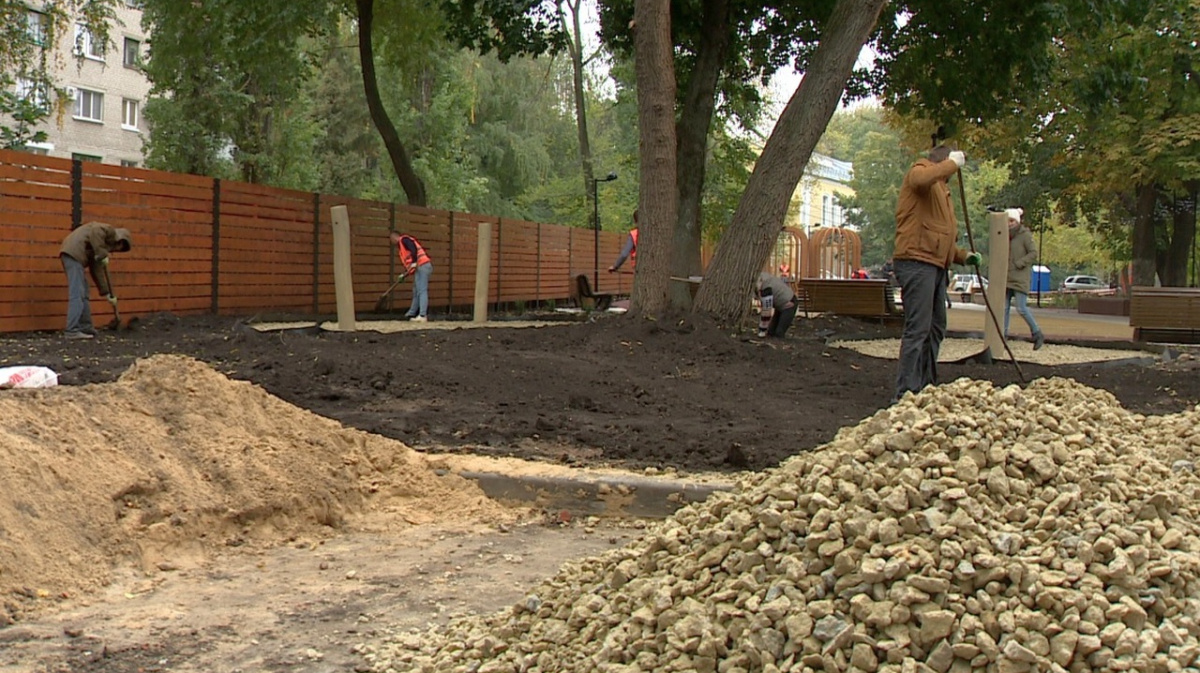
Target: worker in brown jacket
926	231
89	245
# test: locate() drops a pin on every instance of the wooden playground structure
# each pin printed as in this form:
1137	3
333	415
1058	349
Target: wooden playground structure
822	269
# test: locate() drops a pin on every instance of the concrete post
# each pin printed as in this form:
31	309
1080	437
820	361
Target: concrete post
483	262
343	279
997	280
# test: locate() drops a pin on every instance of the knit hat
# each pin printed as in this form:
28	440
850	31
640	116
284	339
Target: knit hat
1015	213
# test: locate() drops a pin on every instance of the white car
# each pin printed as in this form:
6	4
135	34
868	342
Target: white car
966	284
1083	283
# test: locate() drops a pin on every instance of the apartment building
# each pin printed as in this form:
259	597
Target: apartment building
102	120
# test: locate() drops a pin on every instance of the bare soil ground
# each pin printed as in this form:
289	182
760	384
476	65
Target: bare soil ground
624	392
617	392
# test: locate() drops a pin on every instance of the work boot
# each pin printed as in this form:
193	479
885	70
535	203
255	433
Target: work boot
1038	340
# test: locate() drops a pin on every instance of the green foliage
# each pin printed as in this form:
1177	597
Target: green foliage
28	40
511	29
225	70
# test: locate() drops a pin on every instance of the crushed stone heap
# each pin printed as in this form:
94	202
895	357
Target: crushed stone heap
176	456
967	528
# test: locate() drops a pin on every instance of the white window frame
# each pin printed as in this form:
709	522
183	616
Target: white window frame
26	88
35	26
128	104
86	44
96	106
137	53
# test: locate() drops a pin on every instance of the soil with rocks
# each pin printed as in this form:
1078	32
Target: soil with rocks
618	391
172	520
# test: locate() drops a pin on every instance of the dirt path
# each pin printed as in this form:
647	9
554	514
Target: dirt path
300	608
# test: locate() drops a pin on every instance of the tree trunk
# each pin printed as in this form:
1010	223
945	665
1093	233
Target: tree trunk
575	50
1179	250
759	217
414	188
1144	247
657	206
695	120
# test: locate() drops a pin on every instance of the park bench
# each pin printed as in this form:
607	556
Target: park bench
581	290
866	298
1165	314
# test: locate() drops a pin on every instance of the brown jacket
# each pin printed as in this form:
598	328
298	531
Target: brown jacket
90	244
925	224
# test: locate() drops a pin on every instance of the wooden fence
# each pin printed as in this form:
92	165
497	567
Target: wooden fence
202	245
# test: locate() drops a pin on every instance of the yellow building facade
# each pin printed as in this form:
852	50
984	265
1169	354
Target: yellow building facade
818	198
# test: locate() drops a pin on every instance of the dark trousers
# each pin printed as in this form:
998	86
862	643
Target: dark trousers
782	320
923	288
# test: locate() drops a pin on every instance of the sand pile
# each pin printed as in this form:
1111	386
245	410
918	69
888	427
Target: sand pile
175	457
965	529
957	349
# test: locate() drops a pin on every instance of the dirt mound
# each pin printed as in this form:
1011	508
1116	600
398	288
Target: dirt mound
968	528
174	457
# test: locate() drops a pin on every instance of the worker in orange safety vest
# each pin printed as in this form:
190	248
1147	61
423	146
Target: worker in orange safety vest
416	263
630	250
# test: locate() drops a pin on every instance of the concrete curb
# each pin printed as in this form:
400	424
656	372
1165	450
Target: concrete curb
595	495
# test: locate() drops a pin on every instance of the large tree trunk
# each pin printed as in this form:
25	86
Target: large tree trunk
1183	233
760	214
575	51
655	71
414	188
695	120
1144	247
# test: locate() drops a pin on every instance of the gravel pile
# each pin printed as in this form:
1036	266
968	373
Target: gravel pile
967	528
957	349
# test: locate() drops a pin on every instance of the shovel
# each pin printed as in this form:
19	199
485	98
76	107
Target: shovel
381	303
116	321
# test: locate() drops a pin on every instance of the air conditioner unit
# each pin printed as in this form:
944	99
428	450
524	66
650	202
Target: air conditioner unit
72	92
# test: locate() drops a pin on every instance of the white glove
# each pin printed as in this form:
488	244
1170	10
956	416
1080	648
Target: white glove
104	261
958	158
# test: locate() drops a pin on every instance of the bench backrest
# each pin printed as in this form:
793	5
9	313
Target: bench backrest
1170	307
846	297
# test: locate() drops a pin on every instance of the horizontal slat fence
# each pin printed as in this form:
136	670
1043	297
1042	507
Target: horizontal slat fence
202	245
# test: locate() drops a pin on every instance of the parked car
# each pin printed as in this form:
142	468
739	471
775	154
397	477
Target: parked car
1083	283
966	284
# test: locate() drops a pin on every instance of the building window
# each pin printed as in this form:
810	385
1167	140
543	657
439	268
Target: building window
133	52
129	163
89	105
35	27
129	114
86	44
135	4
86	157
29	90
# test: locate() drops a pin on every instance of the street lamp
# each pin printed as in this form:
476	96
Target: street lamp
596	229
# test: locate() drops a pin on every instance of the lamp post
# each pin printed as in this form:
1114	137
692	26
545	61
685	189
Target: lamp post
1041	237
596	228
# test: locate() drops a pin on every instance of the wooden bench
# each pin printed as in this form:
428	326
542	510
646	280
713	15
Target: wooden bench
868	298
581	289
1165	314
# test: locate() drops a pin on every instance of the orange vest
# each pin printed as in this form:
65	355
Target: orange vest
633	233
406	257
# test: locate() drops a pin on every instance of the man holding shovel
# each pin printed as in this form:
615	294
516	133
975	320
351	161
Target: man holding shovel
416	263
89	245
926	230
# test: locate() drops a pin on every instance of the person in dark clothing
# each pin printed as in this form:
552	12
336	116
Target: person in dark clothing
777	306
89	245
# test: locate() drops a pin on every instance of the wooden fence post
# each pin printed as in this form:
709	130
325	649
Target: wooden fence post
391	257
216	246
499	256
483	260
450	297
343	278
316	278
537	294
76	193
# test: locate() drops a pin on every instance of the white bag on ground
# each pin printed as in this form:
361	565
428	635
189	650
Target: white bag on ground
27	377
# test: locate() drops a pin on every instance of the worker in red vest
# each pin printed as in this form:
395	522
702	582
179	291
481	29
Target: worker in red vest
630	250
415	261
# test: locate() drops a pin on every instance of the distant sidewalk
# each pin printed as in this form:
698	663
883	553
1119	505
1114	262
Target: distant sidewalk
1056	323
